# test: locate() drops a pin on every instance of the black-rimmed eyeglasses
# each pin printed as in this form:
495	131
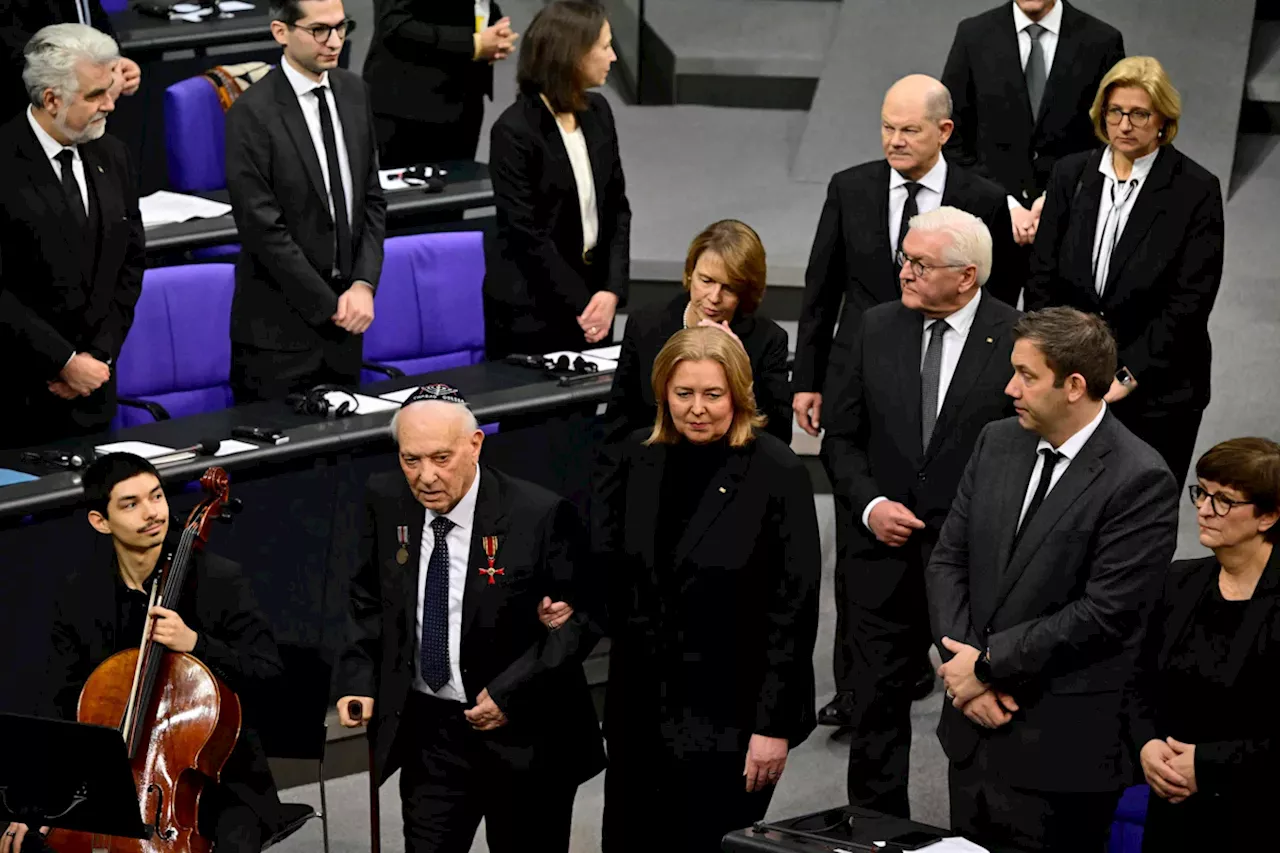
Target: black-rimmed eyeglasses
918	267
1138	118
1221	503
321	32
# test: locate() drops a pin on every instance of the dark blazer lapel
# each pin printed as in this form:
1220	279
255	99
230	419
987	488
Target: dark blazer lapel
1007	56
105	189
1180	614
1255	614
720	491
1083	470
1013	490
412	515
908	332
490	519
597	152
354	126
541	117
643	482
978	348
296	125
877	193
44	180
1084	219
1064	61
1147	208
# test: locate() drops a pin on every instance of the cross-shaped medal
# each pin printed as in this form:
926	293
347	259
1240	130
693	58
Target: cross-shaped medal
491	551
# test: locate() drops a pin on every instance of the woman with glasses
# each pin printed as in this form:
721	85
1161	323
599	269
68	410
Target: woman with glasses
1200	707
1133	232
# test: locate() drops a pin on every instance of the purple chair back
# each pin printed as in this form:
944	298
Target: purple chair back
1130	819
195	136
178	351
429	311
112	6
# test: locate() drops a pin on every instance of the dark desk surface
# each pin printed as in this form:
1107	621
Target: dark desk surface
469	187
847	828
138	33
493	389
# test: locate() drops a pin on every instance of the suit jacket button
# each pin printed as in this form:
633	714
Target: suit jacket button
1035	155
398	713
986	632
920	477
1025	194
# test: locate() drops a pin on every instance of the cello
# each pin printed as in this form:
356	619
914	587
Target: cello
178	720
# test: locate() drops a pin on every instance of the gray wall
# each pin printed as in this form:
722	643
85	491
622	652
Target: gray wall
1204	45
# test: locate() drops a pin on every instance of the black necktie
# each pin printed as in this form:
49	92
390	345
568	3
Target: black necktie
931	382
1051	458
908	210
71	189
337	194
433	653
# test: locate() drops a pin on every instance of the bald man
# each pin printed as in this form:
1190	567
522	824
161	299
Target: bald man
853	260
484	710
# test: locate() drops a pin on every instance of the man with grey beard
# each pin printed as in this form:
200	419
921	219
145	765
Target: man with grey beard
71	241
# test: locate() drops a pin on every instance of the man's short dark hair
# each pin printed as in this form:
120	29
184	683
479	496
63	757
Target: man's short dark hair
286	11
1251	466
107	472
557	39
1072	341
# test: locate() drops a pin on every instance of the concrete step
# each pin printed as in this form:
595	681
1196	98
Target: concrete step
1262	81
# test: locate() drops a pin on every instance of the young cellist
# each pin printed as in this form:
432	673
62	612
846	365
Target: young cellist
105	609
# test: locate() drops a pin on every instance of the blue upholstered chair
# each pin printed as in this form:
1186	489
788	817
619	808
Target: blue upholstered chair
176	359
195	136
1131	817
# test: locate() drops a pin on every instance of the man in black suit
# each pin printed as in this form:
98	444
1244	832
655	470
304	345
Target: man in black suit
1039	591
22	18
1023	76
853	260
485	711
99	613
927	373
71	240
302	170
429	69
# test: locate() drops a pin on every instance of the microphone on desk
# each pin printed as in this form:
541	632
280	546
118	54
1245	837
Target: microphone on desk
206	447
58	458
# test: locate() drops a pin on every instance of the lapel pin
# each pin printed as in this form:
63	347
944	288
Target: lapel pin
100	171
722	491
988	340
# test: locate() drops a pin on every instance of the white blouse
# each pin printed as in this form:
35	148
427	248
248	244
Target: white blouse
575	144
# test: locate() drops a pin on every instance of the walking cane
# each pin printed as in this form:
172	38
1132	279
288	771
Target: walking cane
356	712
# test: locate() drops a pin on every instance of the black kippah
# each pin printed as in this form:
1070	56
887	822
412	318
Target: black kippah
437	391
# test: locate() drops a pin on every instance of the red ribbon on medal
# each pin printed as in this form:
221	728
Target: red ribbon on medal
491	551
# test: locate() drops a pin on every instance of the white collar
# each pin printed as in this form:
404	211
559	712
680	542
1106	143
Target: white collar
1072	446
961	320
1141	166
935	179
299	82
463	515
52	147
1052	22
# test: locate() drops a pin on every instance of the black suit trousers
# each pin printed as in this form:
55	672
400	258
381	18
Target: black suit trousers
1005	819
449	781
405	142
882	650
263	374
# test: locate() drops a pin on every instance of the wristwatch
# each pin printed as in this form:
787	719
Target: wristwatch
1124	377
982	667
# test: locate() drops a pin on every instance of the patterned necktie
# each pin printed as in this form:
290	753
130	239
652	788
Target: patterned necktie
1035	72
931	382
337	193
71	188
433	654
908	210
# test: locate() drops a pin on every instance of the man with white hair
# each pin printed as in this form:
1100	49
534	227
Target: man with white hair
71	241
484	710
926	374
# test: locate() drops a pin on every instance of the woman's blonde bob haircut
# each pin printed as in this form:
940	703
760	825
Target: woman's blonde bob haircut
739	247
706	343
1146	73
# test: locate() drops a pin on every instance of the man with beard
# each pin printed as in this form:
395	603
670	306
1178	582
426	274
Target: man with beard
71	241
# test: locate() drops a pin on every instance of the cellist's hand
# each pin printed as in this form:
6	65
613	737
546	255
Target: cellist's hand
170	631
11	841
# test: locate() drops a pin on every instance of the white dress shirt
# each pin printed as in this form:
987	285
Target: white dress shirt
928	197
459	541
1052	24
575	144
1118	199
1070	449
952	345
52	148
310	104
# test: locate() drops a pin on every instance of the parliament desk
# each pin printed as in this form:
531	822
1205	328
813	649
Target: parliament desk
847	828
408	211
298	534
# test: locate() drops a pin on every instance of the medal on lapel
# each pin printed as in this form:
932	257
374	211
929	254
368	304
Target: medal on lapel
402	536
491	551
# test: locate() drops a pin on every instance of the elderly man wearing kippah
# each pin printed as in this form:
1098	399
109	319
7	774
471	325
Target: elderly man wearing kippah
483	707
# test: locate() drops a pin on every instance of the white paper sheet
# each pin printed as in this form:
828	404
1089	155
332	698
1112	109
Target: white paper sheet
400	396
231	446
954	845
138	448
605	364
235	6
390	178
367	405
164	207
613	352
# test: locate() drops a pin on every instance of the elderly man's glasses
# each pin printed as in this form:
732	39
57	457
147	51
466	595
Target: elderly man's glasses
1221	503
1137	118
321	32
918	267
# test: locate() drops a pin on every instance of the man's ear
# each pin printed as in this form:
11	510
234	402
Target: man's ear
98	522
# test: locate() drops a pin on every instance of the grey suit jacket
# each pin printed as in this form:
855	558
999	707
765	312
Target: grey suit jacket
1063	612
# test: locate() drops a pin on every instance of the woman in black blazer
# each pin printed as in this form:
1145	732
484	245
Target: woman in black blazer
558	262
724	280
711	541
1134	233
1200	708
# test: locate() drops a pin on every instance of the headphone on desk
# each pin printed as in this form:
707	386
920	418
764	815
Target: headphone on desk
315	402
579	365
